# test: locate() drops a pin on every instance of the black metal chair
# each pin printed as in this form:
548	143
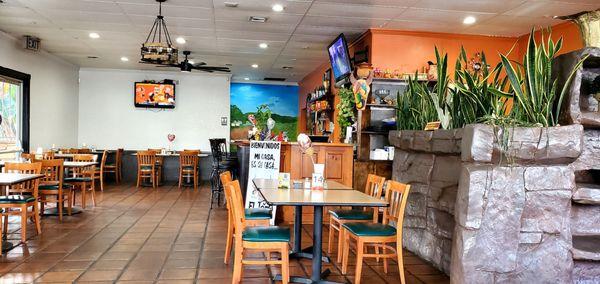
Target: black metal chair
222	161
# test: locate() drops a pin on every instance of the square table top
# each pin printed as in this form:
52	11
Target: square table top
308	197
15	178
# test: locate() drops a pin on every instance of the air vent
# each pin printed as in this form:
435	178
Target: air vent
228	64
256	19
231	4
287	67
274	79
92	57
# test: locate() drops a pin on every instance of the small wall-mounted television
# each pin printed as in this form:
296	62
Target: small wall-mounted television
154	95
340	60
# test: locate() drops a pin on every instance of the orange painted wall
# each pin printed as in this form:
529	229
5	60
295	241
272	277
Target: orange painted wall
568	31
408	51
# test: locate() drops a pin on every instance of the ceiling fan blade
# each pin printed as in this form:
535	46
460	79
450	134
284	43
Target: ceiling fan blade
199	64
213	68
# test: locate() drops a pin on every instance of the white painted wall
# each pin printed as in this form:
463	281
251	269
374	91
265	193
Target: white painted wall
109	119
53	92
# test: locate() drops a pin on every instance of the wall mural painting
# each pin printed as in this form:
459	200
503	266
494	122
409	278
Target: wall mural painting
253	104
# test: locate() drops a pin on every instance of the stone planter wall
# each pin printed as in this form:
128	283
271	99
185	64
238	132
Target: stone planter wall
510	223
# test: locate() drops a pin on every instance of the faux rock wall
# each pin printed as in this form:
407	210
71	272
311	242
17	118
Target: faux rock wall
430	162
505	223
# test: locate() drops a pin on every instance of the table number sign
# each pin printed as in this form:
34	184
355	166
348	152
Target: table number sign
432	126
264	163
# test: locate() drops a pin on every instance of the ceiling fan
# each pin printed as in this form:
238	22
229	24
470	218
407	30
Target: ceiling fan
186	66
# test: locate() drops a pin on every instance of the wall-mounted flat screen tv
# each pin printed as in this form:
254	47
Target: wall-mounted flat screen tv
154	95
340	60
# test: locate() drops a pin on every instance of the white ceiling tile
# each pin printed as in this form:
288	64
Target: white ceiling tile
239	15
440	16
425	26
167	11
489	6
549	9
247	35
396	3
342	22
358	11
254	27
290	6
73	5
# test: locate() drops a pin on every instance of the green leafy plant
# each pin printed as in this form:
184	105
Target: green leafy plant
536	99
345	108
415	107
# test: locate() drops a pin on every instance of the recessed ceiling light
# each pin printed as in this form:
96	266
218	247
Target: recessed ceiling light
263	45
94	35
180	40
469	20
124	59
254	65
257	19
247	79
277	8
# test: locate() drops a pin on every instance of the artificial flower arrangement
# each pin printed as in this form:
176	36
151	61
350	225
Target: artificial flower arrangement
318	179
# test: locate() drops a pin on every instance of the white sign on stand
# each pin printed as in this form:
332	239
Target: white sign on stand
264	163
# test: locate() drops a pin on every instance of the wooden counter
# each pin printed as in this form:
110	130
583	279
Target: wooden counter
337	157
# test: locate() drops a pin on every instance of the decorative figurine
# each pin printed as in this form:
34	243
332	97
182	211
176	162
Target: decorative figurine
362	86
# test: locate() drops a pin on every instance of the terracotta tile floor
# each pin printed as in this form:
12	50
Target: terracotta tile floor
166	235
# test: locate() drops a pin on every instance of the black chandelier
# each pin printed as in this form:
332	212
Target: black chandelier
158	47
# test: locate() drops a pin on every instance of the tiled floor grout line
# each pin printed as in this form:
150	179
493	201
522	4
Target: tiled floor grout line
57	240
148	194
171	250
92	236
196	280
146	241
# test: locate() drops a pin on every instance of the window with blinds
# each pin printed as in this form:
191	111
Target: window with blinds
10	116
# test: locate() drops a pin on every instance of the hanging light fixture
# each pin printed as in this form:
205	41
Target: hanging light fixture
158	47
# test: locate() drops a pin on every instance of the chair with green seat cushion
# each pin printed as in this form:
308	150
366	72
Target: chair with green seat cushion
78	179
259	238
16	199
370	229
53	189
351	214
378	235
266	234
257	213
337	217
53	186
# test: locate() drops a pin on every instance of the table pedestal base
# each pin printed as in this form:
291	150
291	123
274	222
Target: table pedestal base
307	253
297	279
54	211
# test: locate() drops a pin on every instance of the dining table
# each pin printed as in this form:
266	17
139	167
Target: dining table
201	155
53	211
10	179
334	194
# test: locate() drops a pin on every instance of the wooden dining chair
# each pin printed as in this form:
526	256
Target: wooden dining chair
73	151
84	151
337	217
99	171
83	180
379	235
115	166
146	167
29	157
159	165
188	166
48	155
254	217
22	196
261	238
52	188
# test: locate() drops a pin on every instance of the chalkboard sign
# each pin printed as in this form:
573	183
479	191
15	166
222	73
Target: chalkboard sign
264	163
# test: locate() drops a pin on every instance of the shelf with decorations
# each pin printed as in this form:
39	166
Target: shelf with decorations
319	108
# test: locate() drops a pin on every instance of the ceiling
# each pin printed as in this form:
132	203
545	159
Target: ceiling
219	35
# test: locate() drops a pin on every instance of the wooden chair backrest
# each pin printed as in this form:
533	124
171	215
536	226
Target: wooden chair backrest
64	150
28	187
73	151
28	156
84	151
396	195
225	180
48	155
374	188
53	171
83	158
237	206
188	158
119	156
146	158
103	160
